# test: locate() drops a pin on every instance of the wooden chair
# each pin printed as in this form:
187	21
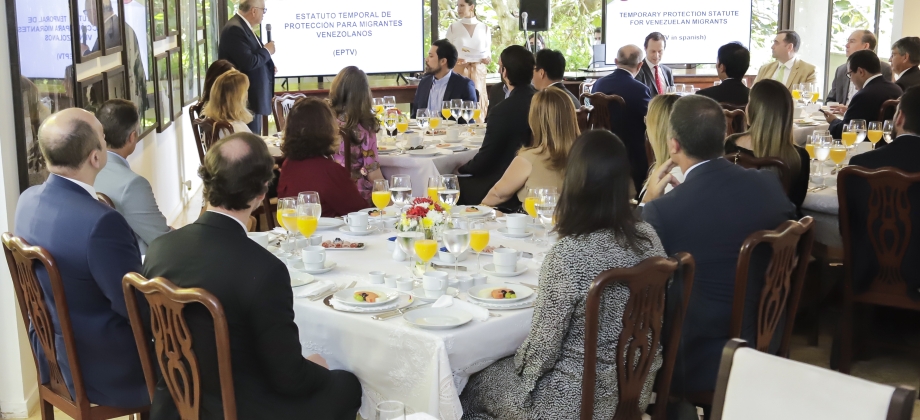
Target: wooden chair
584	87
750	162
251	225
173	346
206	130
734	121
582	114
888	109
641	335
600	109
753	385
731	107
21	258
104	199
281	107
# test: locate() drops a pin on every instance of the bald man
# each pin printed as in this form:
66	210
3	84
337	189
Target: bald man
629	123
94	248
842	88
272	379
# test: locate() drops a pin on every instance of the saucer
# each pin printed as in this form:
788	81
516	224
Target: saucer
328	223
329	266
346	230
419	294
504	231
490	270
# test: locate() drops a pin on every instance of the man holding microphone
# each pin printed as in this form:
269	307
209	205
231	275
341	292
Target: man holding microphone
240	46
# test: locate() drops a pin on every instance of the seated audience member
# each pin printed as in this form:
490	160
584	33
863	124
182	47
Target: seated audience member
309	143
228	102
874	90
272	379
350	98
709	215
656	76
788	69
549	71
440	82
842	88
597	231
732	63
903	151
552	120
658	127
629	124
131	193
905	56
770	115
499	91
215	70
508	129
94	248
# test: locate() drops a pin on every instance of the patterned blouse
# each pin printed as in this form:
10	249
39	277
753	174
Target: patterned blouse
363	159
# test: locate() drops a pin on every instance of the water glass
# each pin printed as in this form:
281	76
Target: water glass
389	102
400	190
859	126
467	111
391	410
421	117
456	105
449	190
389	122
887	128
457	241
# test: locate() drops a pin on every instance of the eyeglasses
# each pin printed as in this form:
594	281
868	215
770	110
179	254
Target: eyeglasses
264	9
849	75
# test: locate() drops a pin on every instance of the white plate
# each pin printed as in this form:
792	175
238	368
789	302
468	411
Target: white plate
419	294
404	301
391	212
386	149
490	270
527	303
329	223
453	147
305	279
437	318
504	231
423	152
329	266
482	292
346	230
461	211
347	296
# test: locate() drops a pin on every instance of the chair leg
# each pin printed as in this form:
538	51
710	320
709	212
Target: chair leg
846	334
47	410
813	276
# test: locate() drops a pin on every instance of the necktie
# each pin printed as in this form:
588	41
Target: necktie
658	81
781	74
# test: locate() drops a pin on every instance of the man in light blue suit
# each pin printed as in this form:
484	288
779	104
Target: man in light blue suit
94	248
130	192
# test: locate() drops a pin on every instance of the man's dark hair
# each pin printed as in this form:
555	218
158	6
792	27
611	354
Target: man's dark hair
792	37
735	58
910	109
865	59
72	150
119	119
518	64
867	37
232	182
597	30
698	124
446	50
552	62
656	36
909	45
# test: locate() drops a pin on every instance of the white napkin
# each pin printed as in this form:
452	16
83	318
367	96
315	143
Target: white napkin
313	289
478	312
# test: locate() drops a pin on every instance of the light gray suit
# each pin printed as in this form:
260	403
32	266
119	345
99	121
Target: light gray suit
133	198
840	87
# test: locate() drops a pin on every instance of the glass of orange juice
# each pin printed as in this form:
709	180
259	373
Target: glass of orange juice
479	239
434	184
425	249
380	195
287	215
838	153
434	122
445	109
848	136
308	218
378	106
402	123
875	132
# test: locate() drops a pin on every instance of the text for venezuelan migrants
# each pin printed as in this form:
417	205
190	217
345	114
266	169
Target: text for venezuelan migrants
693	17
343	24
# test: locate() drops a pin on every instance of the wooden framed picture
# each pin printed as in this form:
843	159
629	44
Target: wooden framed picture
112	38
116	83
85	29
91	92
162	91
175	82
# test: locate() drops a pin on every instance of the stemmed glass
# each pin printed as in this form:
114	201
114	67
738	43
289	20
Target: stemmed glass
308	218
546	209
421	118
425	250
797	92
849	135
875	132
859	126
378	106
405	240
401	190
380	195
287	215
479	239
475	111
445	110
838	154
457	241
810	147
822	150
389	122
530	207
455	106
449	190
815	92
309	197
402	123
887	128
467	111
389	102
434	185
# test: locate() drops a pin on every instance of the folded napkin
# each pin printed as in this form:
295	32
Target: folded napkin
478	312
313	289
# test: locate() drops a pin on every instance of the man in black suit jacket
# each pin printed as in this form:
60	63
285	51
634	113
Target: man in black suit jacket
865	72
271	377
905	56
653	74
732	63
549	71
709	215
442	57
508	129
240	46
629	124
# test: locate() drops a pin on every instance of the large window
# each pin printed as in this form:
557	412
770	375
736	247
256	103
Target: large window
763	30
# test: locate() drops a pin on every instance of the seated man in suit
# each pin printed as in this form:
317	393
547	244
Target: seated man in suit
130	192
903	151
842	88
866	73
440	82
508	129
271	377
549	70
732	63
498	92
629	124
653	74
709	215
905	56
788	68
94	248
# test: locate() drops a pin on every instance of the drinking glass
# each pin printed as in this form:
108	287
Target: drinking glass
887	128
435	121
797	92
546	209
815	93
467	111
401	190
474	107
445	110
838	153
457	241
380	195
479	239
822	150
449	190
389	102
530	203
434	184
287	215
455	106
810	148
391	410
859	126
309	197
875	132
849	135
679	88
421	117
378	106
402	123
307	218
425	250
405	240
389	122
670	90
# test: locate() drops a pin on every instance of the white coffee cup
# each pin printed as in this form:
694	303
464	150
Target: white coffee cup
357	221
479	279
516	223
404	284
505	259
316	240
376	277
314	257
260	238
453	135
434	283
390	280
413	139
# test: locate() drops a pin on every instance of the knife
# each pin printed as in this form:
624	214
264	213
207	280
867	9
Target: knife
387	315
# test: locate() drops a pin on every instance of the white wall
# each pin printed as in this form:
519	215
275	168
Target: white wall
906	19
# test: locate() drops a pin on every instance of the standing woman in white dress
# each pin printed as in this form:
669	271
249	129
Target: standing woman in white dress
471	33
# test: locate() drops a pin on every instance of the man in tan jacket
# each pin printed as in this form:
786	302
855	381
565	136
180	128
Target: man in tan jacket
787	69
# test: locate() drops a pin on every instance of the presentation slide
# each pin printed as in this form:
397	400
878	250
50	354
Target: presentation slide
694	30
319	38
44	37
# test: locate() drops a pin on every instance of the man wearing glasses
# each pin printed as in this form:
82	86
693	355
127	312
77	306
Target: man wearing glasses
240	46
865	70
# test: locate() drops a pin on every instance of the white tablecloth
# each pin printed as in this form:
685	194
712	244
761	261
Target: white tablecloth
420	169
424	369
800	133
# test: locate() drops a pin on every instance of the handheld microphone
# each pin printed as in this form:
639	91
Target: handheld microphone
268	30
524	18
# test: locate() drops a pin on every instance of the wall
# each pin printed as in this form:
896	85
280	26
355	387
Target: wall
906	18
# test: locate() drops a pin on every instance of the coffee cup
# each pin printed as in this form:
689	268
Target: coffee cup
516	223
376	277
434	283
357	221
479	279
505	259
453	135
404	284
314	257
413	139
316	240
390	280
260	238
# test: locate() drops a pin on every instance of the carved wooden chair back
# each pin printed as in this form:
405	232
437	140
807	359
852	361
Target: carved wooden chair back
104	199
600	109
775	163
282	107
641	335
582	114
886	112
734	121
209	133
194	115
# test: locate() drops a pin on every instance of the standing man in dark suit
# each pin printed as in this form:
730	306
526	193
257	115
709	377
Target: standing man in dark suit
653	74
508	129
272	378
709	215
440	82
629	124
732	63
549	71
865	72
842	88
94	248
905	56
240	46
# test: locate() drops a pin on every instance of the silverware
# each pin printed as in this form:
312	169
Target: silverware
818	188
387	315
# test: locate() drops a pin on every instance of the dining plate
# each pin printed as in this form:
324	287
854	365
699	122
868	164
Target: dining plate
391	212
504	231
471	211
347	296
521	304
424	152
403	302
346	230
490	270
419	294
484	292
301	278
437	318
326	223
448	146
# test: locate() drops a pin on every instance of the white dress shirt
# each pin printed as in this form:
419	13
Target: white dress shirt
870	79
436	95
788	65
85	186
234	219
692	168
656	70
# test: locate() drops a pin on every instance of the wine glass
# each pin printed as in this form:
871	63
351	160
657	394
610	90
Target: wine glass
822	150
467	111
309	197
449	190
838	153
435	121
402	123
307	218
425	250
445	109
887	128
455	106
530	207
475	111
389	102
457	241
405	240
391	410
421	118
434	184
380	195
859	126
810	147
546	208
815	93
479	239
287	215
874	132
849	135
378	106
389	122
401	190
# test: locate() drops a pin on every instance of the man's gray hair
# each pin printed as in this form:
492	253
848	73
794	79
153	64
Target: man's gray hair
247	5
629	56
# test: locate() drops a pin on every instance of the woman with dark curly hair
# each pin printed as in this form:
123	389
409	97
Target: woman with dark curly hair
310	140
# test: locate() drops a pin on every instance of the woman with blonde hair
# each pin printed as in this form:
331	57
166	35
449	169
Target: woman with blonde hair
350	98
555	128
228	102
658	127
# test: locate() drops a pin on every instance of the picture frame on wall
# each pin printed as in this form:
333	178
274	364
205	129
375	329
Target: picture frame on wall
84	29
162	88
158	17
112	38
116	84
91	92
175	82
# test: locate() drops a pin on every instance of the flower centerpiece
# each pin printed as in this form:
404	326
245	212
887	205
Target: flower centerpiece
424	215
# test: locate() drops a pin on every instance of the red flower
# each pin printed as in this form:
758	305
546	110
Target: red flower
421	200
417	211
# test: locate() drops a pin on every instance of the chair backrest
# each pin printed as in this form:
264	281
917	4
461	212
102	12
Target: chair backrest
209	132
791	244
194	115
734	121
21	258
282	107
173	346
600	109
581	115
251	225
104	199
753	385
731	107
641	334
269	212
888	108
582	88
750	162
